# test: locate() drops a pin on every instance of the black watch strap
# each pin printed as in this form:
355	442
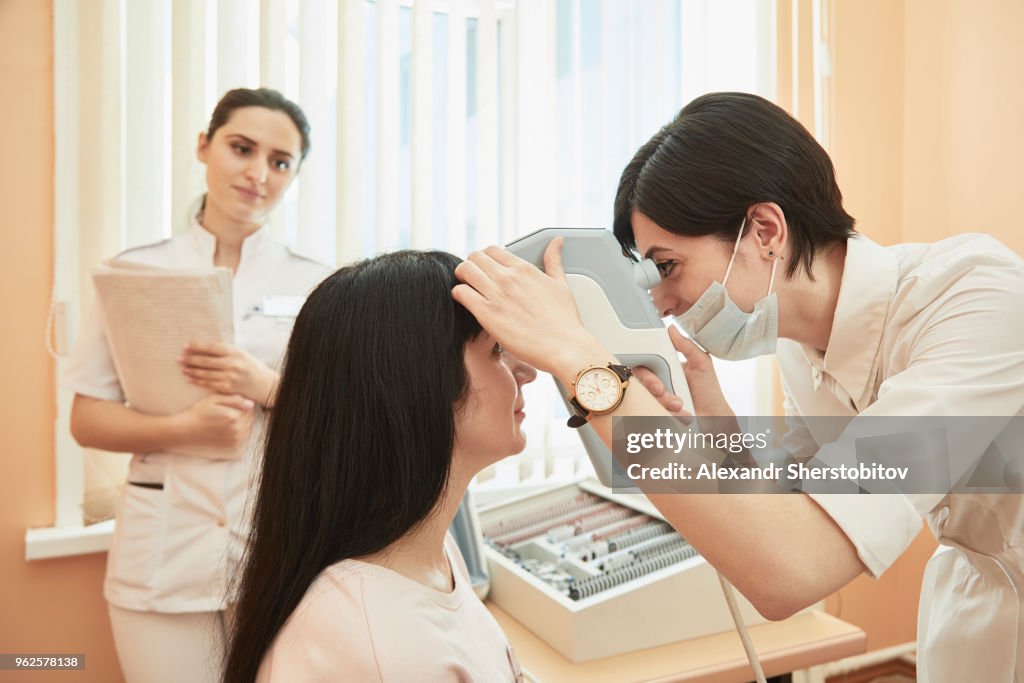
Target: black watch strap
623	371
579	416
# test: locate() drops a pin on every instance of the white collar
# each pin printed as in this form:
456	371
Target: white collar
206	242
870	275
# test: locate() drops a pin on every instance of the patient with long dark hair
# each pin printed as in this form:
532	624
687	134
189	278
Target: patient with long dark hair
392	398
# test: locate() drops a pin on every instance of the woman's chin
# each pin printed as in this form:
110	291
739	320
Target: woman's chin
517	446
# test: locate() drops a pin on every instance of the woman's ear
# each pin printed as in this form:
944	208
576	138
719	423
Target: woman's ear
202	146
769	224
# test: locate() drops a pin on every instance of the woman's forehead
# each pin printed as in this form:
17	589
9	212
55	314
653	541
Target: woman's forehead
266	127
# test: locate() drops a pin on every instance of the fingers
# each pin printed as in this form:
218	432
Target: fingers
190	361
497	261
669	401
203	375
698	362
234	401
217	387
649	380
215	384
553	259
469	297
490	270
503	256
475	276
208	349
682	344
693	353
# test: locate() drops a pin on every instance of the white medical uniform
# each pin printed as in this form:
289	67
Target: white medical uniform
930	330
177	549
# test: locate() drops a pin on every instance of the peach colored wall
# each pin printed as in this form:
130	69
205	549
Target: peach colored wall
964	104
927	99
52	606
866	122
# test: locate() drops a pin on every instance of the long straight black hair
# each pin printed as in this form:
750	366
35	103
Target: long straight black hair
360	440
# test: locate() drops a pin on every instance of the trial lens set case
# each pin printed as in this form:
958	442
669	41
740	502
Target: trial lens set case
592	573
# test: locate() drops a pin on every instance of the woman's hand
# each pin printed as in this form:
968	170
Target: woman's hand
228	369
705	390
531	313
219	420
669	401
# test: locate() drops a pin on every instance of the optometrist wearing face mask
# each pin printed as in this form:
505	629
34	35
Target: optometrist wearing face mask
739	208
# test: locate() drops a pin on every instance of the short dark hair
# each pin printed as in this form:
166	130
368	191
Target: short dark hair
259	97
360	440
723	153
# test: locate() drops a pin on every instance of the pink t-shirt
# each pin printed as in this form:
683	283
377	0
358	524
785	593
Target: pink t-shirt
363	622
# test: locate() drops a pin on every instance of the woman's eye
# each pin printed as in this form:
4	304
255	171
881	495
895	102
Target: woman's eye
666	267
241	149
282	165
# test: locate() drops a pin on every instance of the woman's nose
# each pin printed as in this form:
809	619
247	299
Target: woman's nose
663	302
257	170
523	372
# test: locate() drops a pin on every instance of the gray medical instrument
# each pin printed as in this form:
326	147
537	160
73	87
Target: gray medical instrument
465	529
614	304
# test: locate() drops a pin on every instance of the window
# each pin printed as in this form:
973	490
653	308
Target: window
463	123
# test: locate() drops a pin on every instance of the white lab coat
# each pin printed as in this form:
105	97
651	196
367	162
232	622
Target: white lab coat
176	549
930	330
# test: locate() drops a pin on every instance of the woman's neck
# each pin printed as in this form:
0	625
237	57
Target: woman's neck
807	308
230	234
420	555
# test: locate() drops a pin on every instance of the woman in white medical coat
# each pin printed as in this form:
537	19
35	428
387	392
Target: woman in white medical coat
182	523
739	208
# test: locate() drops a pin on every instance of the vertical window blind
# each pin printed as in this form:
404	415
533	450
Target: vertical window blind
447	124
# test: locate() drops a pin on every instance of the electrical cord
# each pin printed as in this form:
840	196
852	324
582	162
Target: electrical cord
741	628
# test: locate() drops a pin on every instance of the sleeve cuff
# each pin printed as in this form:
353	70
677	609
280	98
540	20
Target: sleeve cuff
880	526
103	394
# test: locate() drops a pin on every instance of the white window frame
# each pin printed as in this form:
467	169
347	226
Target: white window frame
523	53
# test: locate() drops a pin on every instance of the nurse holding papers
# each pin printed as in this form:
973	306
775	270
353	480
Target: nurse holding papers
182	522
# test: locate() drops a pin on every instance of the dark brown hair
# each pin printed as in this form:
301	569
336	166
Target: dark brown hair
260	97
723	153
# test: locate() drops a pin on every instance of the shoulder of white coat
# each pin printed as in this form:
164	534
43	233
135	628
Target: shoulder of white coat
143	251
309	261
969	273
949	259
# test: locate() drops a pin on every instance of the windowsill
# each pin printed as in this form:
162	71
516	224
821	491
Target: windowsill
44	543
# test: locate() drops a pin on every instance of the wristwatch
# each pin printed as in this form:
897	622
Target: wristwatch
597	389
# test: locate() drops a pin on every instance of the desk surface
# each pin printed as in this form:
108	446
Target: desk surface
799	642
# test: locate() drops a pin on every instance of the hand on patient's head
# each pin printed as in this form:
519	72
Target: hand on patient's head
532	313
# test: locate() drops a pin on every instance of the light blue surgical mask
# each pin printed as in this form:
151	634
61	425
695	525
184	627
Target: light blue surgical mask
722	329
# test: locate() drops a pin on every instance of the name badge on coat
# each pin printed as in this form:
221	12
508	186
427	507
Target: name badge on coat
281	306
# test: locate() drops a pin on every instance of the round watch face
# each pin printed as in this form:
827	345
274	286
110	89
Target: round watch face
598	389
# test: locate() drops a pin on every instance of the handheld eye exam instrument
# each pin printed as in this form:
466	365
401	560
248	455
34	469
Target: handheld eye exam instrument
614	303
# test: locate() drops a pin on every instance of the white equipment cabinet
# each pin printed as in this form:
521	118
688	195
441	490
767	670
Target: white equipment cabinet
653	588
